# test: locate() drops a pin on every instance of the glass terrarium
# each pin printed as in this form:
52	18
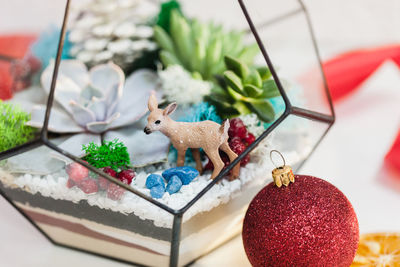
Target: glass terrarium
76	160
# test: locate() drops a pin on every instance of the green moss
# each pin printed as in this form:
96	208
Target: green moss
113	154
13	131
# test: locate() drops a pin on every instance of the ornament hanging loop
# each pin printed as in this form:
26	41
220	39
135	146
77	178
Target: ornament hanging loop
280	154
282	174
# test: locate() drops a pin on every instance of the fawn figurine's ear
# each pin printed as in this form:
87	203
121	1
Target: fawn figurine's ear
152	104
170	109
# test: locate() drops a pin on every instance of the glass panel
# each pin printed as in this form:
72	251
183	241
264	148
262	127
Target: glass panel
26	45
77	208
265	13
295	138
99	97
110	67
219	222
127	126
222	217
289	44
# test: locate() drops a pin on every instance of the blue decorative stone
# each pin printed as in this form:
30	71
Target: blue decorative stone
174	185
157	191
154	180
185	173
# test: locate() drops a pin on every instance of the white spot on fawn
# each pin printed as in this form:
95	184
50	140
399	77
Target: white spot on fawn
180	141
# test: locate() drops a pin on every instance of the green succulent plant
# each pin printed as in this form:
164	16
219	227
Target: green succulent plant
200	47
244	90
13	131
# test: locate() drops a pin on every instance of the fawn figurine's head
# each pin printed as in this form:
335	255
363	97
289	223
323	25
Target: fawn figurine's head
158	118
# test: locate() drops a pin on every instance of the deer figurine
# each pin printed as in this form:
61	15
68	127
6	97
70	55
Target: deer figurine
208	135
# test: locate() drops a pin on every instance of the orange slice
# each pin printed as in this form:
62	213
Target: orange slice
378	249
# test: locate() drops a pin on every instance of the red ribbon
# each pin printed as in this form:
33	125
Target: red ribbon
12	46
346	73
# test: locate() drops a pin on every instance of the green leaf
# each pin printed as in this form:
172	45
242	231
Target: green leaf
199	56
164	17
214	63
234	43
200	31
214	51
236	96
163	40
248	53
181	35
223	105
218	68
241	107
252	91
264	72
236	66
234	81
223	99
196	29
197	75
220	83
269	89
254	78
169	59
263	109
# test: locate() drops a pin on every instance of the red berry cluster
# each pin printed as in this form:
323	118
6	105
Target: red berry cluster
114	191
239	140
79	176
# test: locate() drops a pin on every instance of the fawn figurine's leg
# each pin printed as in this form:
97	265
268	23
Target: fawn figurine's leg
181	157
216	160
197	159
232	156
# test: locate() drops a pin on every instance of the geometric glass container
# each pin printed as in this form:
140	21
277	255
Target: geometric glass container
151	232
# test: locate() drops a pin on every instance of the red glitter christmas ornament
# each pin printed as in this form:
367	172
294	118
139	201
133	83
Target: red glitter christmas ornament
307	223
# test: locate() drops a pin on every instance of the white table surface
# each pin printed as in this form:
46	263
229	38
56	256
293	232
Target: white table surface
350	156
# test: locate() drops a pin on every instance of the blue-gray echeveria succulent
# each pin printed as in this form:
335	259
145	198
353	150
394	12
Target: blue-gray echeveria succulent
100	101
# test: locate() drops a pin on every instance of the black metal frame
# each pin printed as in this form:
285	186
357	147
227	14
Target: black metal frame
178	214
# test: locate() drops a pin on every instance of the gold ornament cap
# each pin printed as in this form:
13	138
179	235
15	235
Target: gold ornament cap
282	175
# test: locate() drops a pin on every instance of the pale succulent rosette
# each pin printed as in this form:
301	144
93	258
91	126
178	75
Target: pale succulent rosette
100	103
116	30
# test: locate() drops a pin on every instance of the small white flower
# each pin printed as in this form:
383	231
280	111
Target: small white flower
253	124
179	86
